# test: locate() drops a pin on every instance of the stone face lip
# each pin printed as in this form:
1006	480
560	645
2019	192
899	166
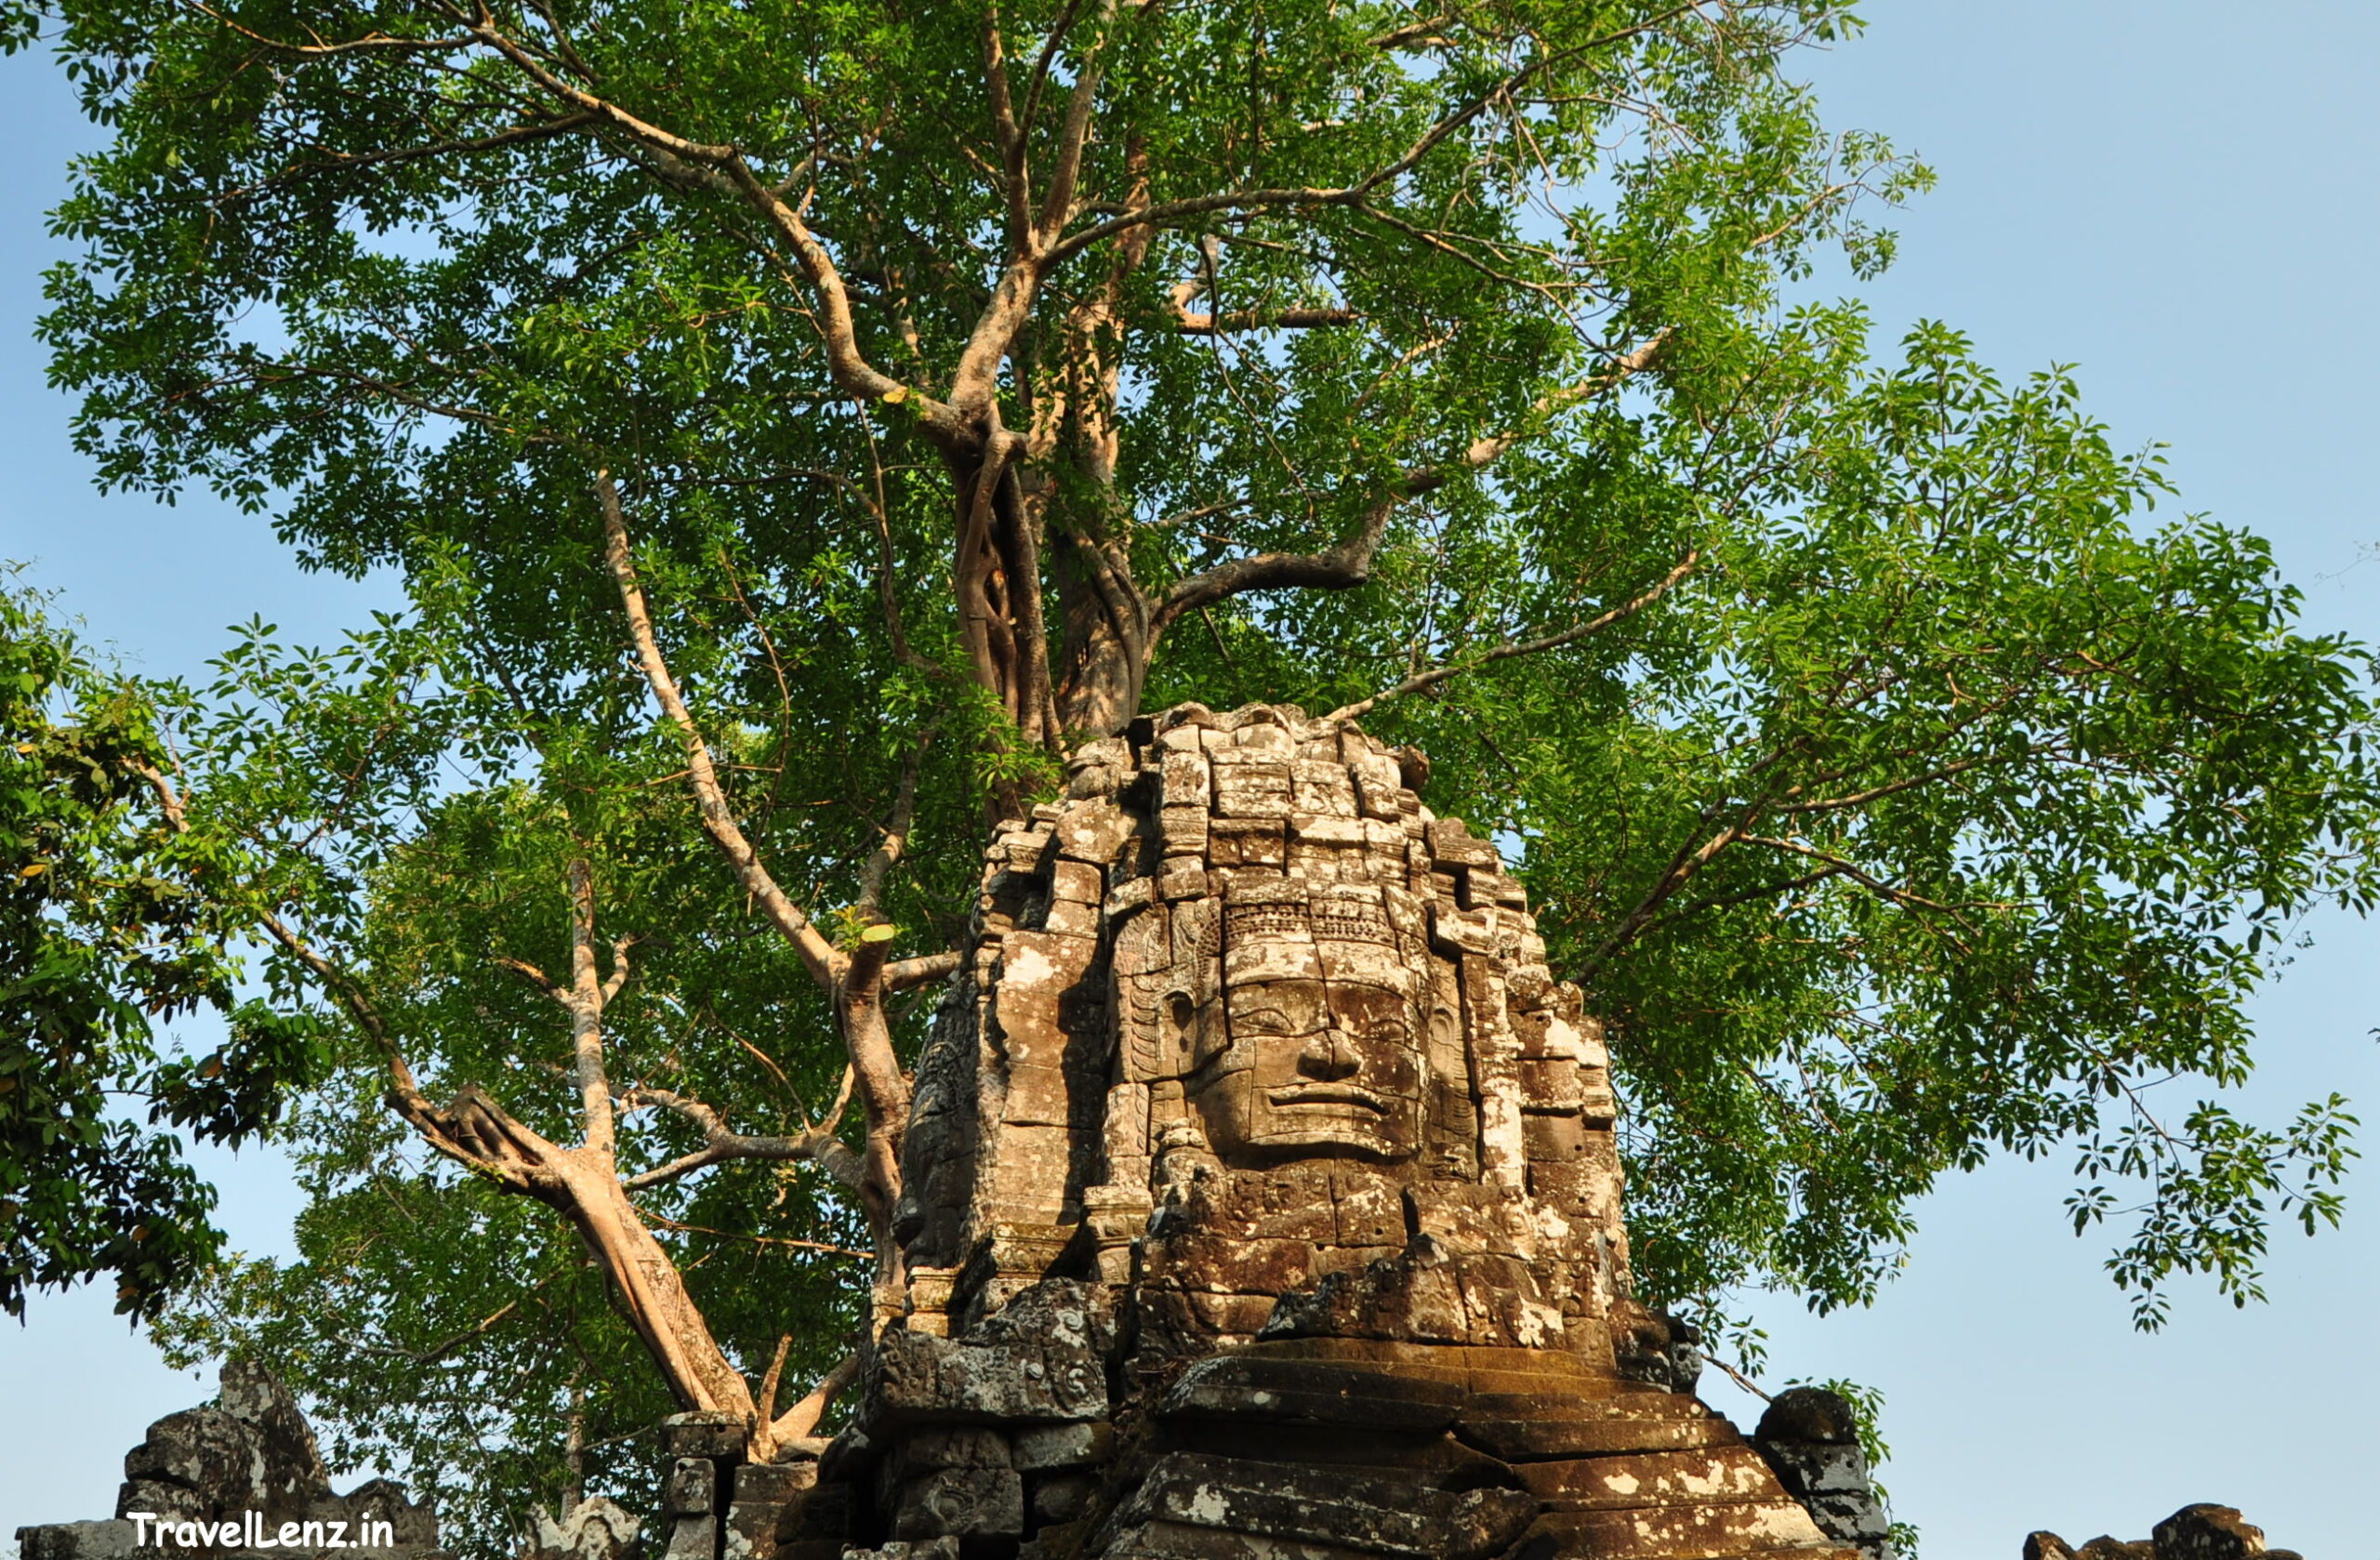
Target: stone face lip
1261	1201
249	1450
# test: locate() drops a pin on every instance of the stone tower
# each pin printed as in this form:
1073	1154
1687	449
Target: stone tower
1263	1200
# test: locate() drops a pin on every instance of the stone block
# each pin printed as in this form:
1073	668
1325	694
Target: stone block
1182	831
78	1540
1251	785
1810	1414
1094	832
1551	1083
1045	1365
1322	790
2208	1532
1809	1468
1061	1497
1246	842
963	1503
1542	1439
1555	1139
692	1537
1683	1530
1301	1506
1132	894
1173	1540
903	1548
1370	1213
1183	877
1078	882
1451	844
596	1529
954	1446
198	1449
1231	1315
1322	829
1187	783
1268	1387
693	1490
1048	1447
1719	1475
1026	850
1223	1263
1037	1096
1068	917
714	1433
762	1493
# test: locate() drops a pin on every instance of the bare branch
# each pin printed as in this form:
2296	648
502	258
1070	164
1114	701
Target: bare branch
907	974
1167	213
888	851
1349	564
370	43
534	975
1437	675
723	169
586	1004
448	1131
824	963
767	1401
620	967
1411	32
1263	319
1856	874
496	140
816	1144
803	1418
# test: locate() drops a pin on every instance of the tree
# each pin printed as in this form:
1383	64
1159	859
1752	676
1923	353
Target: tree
895	397
104	926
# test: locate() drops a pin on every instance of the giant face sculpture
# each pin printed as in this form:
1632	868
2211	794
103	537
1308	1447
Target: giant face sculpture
1243	974
1318	1047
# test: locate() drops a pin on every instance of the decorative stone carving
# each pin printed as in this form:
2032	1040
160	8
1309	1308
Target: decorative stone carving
1262	1199
597	1529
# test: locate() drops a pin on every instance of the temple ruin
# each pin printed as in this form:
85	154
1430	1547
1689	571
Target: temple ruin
1262	1199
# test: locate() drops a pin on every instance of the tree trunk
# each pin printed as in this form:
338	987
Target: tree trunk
644	1281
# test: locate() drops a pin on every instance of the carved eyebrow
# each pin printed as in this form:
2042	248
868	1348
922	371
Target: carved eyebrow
1278	1014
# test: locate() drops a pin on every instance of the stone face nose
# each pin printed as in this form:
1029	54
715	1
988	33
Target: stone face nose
1330	1056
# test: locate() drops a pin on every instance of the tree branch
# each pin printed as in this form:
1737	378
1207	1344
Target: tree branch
824	963
1167	213
1437	675
888	851
803	1418
907	974
1260	319
818	1144
1349	564
587	1015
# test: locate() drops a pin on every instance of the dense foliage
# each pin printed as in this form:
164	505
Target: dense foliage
971	377
106	928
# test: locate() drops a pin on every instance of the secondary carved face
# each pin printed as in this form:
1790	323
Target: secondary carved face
1313	1048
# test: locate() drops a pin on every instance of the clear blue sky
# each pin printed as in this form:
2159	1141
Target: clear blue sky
2178	197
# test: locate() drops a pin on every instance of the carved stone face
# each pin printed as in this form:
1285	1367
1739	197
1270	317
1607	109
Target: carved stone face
1313	1046
1315	1067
